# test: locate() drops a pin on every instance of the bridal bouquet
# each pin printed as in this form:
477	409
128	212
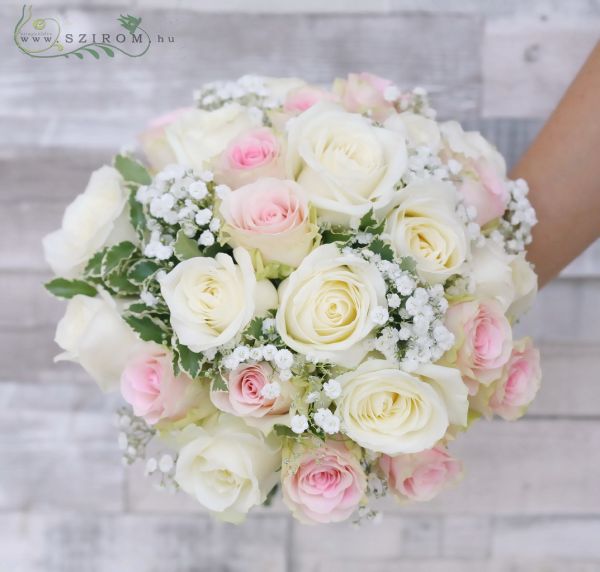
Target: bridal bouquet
302	290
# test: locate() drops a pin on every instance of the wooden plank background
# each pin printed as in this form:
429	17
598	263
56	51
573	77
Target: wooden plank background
531	499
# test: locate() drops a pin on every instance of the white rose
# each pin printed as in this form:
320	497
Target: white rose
390	411
197	136
229	467
424	225
346	165
419	130
96	217
326	304
472	145
491	272
526	283
211	300
93	334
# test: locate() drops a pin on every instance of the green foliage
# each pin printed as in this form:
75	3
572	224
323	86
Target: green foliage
64	288
137	215
141	270
132	171
218	383
333	235
382	248
408	264
368	223
117	255
188	361
149	328
185	247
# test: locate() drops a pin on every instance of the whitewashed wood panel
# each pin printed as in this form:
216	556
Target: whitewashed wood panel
372	564
528	63
547	538
87	542
135	89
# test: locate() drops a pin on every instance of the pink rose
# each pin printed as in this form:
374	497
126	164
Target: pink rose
150	386
487	192
255	391
364	93
420	476
519	383
483	340
271	216
304	97
327	485
154	141
249	156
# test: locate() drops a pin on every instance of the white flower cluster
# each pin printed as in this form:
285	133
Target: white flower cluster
515	227
163	467
415	320
134	435
468	215
416	100
424	164
179	198
249	90
281	359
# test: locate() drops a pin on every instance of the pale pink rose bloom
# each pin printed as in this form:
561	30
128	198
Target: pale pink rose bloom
304	97
154	141
150	386
488	192
483	340
420	476
520	382
248	157
244	397
364	92
327	486
272	216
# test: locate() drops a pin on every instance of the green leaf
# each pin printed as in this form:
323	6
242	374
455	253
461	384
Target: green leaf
80	56
142	269
219	384
185	247
93	268
93	52
120	285
108	51
63	288
284	431
382	248
149	329
329	236
136	214
132	171
270	496
189	361
116	255
368	223
254	329
408	264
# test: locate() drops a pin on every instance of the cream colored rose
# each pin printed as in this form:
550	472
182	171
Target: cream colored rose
96	217
346	165
390	411
419	130
526	284
93	334
424	225
491	273
325	306
197	136
229	467
213	299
